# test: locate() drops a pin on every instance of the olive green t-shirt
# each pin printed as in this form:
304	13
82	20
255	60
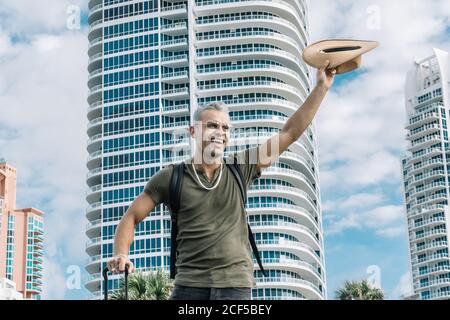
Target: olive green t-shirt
213	246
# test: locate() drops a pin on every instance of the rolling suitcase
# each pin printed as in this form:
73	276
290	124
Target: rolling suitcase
105	282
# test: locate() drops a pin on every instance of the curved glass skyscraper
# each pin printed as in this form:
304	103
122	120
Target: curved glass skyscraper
152	63
426	175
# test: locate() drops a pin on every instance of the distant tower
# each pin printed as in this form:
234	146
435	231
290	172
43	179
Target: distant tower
21	238
426	172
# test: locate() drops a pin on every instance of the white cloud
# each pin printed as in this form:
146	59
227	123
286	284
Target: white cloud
403	288
386	220
24	17
361	124
54	279
360	200
43	95
392	232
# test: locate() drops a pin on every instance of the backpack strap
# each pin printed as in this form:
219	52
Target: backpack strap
236	170
176	182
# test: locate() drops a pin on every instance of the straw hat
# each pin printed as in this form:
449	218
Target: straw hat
343	54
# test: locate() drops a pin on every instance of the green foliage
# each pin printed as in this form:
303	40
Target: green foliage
354	290
145	286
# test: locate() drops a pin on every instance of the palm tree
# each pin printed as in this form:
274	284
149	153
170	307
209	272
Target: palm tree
354	290
145	286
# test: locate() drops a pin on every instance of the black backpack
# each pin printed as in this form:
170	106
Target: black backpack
174	205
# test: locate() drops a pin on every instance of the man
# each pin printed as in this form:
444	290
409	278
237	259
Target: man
214	256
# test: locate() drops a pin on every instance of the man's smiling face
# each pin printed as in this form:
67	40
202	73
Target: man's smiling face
213	133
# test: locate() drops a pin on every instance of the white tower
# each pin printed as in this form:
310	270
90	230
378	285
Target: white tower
426	175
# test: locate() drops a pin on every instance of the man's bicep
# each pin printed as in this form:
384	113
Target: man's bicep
270	151
142	206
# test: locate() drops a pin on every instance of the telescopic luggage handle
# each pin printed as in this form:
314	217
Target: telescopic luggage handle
105	282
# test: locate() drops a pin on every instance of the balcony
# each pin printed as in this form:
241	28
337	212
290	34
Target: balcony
426	222
175	28
303	216
430	258
426	210
432	245
174	61
93	173
178	142
92	209
424	142
434	270
95	25
422	119
429	174
96	8
285	74
290	92
291	283
280	8
426	164
438	295
93	156
95	122
93	194
428	187
280	40
95	138
282	25
291	244
176	125
178	93
426	129
290	60
95	57
427	152
436	232
430	199
170	160
176	109
175	44
295	264
175	77
293	228
95	46
292	175
174	12
291	192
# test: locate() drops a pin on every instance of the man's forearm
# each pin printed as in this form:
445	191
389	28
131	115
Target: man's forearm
124	235
301	119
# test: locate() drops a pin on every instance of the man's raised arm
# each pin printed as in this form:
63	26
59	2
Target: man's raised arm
298	122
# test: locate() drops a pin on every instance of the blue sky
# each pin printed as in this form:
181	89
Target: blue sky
360	131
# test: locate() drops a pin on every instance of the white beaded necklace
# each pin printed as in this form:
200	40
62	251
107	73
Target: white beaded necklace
205	187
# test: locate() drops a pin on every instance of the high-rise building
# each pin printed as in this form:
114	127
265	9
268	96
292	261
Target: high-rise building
21	238
8	290
426	172
151	64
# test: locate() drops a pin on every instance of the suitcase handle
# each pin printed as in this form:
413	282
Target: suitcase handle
105	282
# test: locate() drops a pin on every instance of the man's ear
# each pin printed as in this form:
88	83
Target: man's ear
192	131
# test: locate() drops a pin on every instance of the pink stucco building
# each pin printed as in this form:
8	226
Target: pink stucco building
21	238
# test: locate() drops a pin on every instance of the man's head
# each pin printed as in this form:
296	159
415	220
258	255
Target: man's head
211	129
